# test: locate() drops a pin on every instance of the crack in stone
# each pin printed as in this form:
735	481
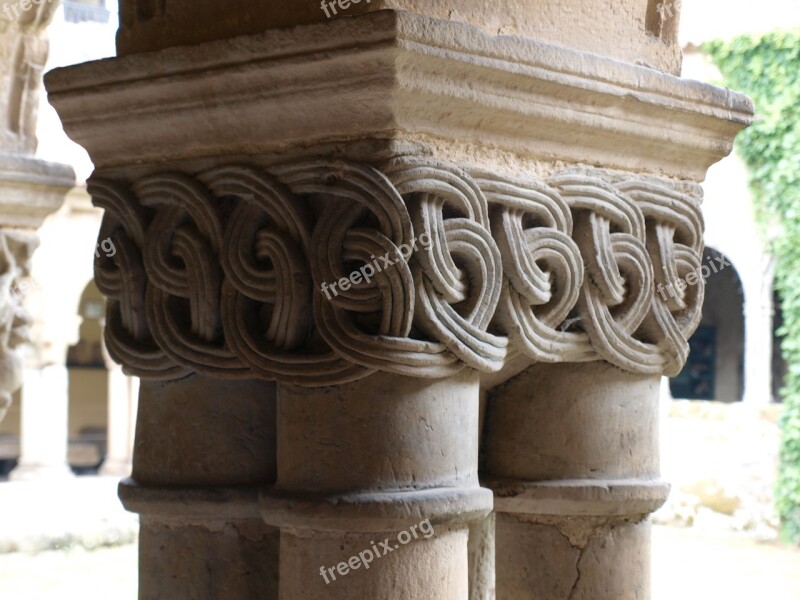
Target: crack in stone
578	578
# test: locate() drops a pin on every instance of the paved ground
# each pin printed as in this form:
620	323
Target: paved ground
81	511
687	565
694	565
105	574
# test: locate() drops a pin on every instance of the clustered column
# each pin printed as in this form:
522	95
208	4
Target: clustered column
381	275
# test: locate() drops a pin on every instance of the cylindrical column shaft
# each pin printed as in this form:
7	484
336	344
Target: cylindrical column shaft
572	453
203	449
123	398
44	430
377	485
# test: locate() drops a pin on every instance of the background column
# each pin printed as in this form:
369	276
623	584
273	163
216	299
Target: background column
123	400
44	424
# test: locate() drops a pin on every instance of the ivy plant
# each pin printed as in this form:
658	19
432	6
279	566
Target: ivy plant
767	68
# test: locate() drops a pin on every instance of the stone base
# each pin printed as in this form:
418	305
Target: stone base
206	560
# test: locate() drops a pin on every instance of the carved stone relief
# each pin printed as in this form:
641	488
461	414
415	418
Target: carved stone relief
224	272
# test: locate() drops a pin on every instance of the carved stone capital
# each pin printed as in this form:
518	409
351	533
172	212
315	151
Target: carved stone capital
313	152
16	248
321	272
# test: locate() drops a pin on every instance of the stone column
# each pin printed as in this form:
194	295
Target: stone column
204	449
377	483
44	424
123	401
758	338
30	189
384	214
574	458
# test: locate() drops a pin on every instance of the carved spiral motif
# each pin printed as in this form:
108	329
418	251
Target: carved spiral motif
322	272
266	297
122	279
459	273
543	269
675	243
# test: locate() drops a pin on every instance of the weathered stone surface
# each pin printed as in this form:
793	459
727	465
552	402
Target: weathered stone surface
434	569
466	269
482	560
507	104
541	561
235	559
422	435
572	456
362	462
629	30
544	425
220	433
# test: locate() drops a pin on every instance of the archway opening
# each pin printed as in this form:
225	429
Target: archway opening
715	368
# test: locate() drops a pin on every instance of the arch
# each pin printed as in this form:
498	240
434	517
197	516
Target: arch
715	368
88	386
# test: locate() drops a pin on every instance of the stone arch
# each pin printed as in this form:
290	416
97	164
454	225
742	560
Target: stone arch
715	368
88	386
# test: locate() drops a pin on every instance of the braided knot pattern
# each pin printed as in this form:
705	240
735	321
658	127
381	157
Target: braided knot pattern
323	272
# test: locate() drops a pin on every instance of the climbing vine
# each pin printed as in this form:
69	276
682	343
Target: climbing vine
767	68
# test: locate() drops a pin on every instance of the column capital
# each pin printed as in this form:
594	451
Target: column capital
283	242
321	272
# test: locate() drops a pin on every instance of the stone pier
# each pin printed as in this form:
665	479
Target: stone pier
30	190
392	267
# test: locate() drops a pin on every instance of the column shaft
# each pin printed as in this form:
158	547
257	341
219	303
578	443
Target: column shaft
203	448
572	453
123	398
44	429
377	485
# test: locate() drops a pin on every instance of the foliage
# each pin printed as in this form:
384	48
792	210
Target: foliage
767	68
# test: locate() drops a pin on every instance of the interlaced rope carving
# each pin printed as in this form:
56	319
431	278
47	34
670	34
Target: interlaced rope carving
223	272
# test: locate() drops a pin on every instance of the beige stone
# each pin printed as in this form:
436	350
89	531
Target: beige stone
250	179
631	31
572	456
195	487
364	462
397	76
